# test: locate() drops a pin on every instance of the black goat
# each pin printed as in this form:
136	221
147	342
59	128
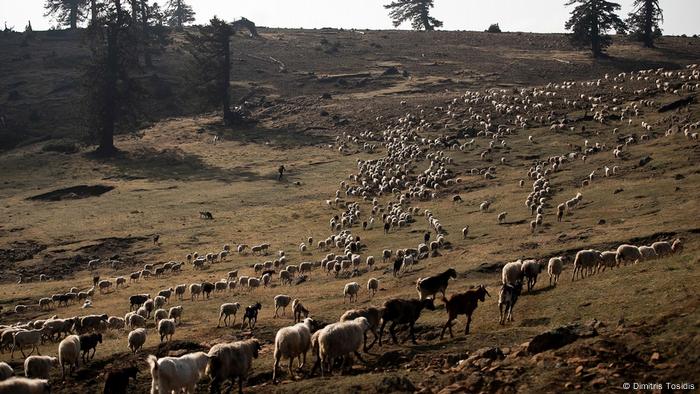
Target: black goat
463	304
137	300
431	285
400	311
398	263
89	342
117	381
507	298
207	288
251	314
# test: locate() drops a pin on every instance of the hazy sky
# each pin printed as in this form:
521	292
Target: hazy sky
682	16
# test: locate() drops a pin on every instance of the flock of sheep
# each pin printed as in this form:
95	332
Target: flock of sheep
356	203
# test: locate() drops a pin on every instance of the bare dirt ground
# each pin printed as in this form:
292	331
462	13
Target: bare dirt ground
60	210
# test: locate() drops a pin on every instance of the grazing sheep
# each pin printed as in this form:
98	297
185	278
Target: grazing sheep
677	246
39	367
159	315
402	311
115	323
135	320
502	217
207	289
531	269
175	313
6	371
463	304
398	265
136	339
232	275
607	260
554	269
386	253
225	312
350	290
117	381
370	262
373	316
298	309
339	340
512	272
166	329
89	342
584	262
135	301
281	301
228	361
647	252
69	353
174	374
662	249
180	291
627	253
507	298
372	287
431	285
103	285
251	314
195	291
285	277
166	293
292	342
25	386
465	232
32	338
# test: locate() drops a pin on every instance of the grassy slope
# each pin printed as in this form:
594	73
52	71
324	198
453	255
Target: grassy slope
171	171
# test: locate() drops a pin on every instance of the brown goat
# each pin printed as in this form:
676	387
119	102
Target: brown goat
463	304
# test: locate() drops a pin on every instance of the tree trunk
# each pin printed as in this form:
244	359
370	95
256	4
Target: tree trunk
144	32
93	10
595	34
649	24
73	15
106	147
178	14
226	85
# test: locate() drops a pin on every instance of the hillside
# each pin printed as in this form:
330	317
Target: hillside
42	88
461	98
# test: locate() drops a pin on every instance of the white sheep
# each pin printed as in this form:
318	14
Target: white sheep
292	342
166	329
647	252
531	269
115	323
350	290
39	367
465	232
627	253
195	291
231	361
339	340
662	248
607	260
253	283
584	262
512	272
370	262
175	374
554	269
103	285
6	371
69	353
372	286
136	339
32	338
180	291
25	386
502	217
135	320
225	312
281	301
159	315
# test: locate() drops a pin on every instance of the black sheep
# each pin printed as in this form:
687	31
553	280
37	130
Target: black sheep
207	288
463	304
117	381
399	311
89	342
251	314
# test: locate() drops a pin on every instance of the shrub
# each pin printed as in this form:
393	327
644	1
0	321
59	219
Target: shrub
61	146
494	28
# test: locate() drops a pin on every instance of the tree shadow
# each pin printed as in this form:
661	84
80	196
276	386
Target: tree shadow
172	164
280	138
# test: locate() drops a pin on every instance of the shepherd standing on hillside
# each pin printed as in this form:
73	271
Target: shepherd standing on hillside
281	171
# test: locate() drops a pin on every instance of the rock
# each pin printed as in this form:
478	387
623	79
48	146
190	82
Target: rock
644	161
391	71
392	384
559	337
579	369
492	353
601	222
326	96
654	357
618	191
598	383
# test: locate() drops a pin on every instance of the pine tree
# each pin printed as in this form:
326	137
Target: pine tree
179	13
111	92
644	21
416	11
591	20
210	48
66	12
